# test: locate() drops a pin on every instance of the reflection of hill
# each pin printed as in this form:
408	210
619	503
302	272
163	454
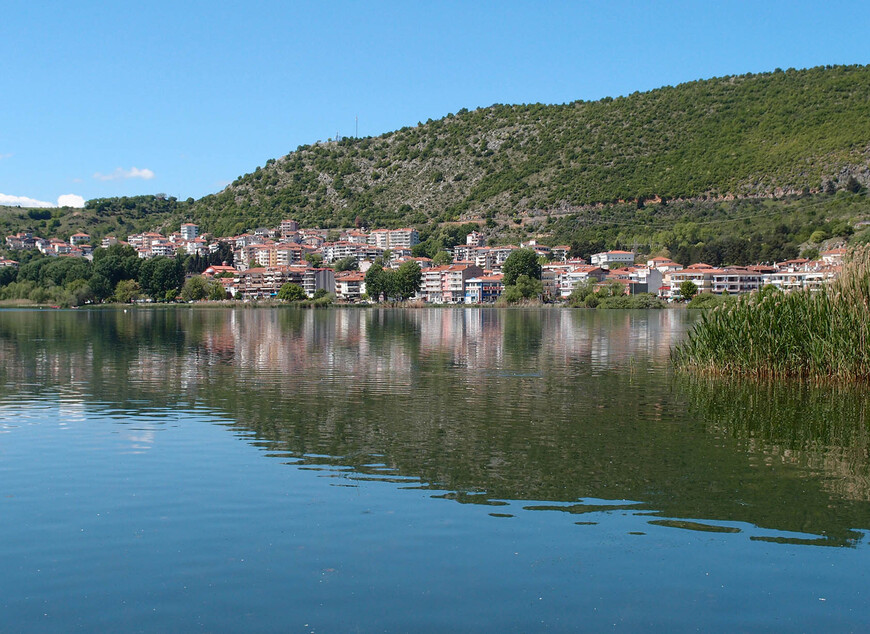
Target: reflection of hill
543	405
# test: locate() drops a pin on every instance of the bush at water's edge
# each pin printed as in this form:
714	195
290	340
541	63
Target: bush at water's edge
817	335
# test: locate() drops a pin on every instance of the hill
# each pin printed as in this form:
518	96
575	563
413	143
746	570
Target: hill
754	135
731	170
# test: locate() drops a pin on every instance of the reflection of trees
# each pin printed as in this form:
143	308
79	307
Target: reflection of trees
821	428
522	333
544	405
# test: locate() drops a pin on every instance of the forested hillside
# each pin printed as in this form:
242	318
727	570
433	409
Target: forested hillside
751	135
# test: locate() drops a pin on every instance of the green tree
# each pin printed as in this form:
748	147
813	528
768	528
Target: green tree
8	274
613	288
521	262
441	258
376	281
291	293
127	291
195	289
529	287
62	271
688	289
314	259
216	291
124	266
408	279
582	291
101	286
346	264
852	185
525	288
819	236
159	275
79	292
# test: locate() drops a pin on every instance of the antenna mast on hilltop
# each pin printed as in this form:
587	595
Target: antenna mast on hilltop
356	127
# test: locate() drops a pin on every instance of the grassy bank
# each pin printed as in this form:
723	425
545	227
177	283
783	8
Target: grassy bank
818	336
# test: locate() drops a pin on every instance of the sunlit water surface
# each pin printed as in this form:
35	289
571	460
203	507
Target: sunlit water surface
423	470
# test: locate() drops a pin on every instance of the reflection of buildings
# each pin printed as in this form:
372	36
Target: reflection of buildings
379	348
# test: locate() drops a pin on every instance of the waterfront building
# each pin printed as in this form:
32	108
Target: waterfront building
350	285
665	265
579	274
560	253
700	274
485	289
446	284
316	279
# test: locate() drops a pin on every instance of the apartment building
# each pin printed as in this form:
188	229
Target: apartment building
189	231
700	274
446	284
485	289
288	226
609	259
735	280
350	285
394	238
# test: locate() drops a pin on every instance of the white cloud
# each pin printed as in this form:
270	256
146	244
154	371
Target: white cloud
22	201
66	200
5	156
121	173
70	200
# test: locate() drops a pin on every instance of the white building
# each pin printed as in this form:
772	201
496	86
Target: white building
607	259
189	231
394	238
475	239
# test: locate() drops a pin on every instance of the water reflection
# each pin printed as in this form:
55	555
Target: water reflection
821	429
551	408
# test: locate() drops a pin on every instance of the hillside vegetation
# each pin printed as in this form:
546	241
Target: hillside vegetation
755	135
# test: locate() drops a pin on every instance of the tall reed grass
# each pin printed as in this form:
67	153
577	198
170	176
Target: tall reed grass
819	335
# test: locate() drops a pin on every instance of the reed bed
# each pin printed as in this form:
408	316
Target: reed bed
819	335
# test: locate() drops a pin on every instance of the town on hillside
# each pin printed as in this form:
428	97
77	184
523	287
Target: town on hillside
266	259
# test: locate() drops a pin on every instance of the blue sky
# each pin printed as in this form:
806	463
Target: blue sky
108	99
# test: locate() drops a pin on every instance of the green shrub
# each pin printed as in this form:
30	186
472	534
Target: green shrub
639	301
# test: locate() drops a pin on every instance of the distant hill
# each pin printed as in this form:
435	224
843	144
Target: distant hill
752	135
100	217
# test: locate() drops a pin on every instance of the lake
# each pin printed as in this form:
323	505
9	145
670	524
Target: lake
197	469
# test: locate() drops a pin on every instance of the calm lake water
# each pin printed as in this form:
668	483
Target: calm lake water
423	470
